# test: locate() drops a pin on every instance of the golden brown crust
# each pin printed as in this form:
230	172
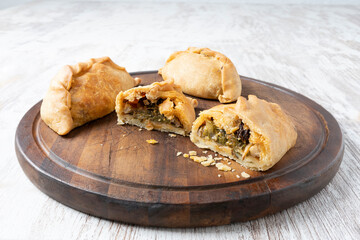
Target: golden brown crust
175	104
203	73
83	92
272	132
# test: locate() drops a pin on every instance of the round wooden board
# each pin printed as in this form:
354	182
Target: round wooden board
109	171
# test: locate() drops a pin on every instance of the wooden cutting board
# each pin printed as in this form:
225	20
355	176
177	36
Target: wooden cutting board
110	171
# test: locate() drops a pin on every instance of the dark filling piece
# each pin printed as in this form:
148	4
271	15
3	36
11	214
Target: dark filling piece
237	140
144	109
243	134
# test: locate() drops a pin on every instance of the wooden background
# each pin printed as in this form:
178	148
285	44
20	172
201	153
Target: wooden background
311	49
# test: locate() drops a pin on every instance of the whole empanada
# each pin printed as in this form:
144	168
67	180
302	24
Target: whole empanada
83	92
254	132
203	73
161	106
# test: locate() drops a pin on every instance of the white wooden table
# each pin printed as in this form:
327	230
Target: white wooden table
312	49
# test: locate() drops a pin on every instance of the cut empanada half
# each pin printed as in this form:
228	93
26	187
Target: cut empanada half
83	92
204	73
160	106
254	132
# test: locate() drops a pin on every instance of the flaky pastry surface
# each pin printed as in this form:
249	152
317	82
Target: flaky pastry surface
272	133
83	92
204	73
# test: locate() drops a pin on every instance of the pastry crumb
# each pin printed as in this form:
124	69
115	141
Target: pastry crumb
208	162
237	176
192	153
140	129
223	167
233	170
215	154
219	175
152	141
186	155
217	158
178	154
245	175
229	163
172	135
198	159
124	135
137	80
210	157
205	152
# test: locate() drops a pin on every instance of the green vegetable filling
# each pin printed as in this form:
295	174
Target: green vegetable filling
150	111
237	140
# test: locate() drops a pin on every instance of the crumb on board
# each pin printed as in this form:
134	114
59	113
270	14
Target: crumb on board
223	167
205	152
124	135
208	162
140	129
172	135
237	176
245	175
198	159
152	141
192	153
219	175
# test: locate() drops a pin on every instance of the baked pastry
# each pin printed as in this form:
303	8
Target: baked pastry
83	92
203	73
254	132
161	106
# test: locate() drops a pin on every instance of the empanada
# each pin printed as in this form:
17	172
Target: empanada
83	92
203	73
254	132
161	106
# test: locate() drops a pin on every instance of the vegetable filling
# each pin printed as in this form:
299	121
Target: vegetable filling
143	109
236	140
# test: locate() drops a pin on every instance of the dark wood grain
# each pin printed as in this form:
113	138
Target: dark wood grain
110	171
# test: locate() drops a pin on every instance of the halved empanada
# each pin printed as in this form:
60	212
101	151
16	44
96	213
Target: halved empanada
161	106
83	92
204	73
254	132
